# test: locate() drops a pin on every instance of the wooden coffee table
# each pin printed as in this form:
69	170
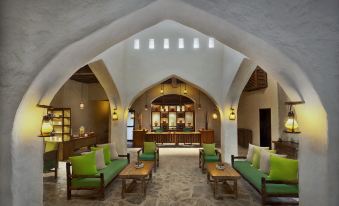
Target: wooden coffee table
143	175
223	176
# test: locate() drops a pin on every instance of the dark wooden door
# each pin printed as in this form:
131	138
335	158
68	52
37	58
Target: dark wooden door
265	127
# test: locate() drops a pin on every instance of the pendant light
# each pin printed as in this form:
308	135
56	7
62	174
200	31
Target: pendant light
146	105
82	105
199	105
185	90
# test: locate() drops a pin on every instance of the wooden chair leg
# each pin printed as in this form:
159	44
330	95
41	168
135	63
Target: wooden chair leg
56	173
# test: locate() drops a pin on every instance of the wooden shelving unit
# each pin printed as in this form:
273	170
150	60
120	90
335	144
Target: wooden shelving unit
62	124
172	117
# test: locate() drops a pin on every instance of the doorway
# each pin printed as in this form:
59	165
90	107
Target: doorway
265	127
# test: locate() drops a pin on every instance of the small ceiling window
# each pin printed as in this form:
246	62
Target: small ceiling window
136	44
196	43
181	43
151	44
210	42
166	43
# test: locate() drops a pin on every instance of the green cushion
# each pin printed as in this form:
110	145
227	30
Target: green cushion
113	169
147	156
50	146
107	153
254	177
211	158
283	168
149	147
186	129
84	164
209	149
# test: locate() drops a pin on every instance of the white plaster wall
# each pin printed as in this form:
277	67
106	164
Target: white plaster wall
296	41
251	102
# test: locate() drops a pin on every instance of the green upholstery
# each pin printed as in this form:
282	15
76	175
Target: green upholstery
159	130
149	147
186	129
110	172
209	149
147	156
84	164
283	169
50	146
211	158
254	176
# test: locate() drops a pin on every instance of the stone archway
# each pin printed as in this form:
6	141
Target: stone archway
270	58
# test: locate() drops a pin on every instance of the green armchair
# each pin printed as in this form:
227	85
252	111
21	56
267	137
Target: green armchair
208	154
51	158
150	152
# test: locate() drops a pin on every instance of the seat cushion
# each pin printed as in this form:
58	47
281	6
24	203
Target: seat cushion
211	158
149	147
209	149
112	170
147	156
254	177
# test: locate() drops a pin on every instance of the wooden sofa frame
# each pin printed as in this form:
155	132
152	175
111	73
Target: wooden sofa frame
156	154
265	197
202	160
99	191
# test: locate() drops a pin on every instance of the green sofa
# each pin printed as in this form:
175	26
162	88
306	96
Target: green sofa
271	191
96	182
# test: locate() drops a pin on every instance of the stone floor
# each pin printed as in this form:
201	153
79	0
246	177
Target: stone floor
178	181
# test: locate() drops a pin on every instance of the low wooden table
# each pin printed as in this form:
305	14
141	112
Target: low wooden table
144	175
224	176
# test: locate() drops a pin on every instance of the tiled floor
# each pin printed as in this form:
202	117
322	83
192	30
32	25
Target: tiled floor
178	181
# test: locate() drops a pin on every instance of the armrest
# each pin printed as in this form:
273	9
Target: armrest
126	155
280	182
218	154
236	157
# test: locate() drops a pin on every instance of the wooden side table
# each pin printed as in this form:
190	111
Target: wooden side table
224	176
143	175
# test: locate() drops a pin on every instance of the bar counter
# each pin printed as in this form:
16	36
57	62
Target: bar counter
140	136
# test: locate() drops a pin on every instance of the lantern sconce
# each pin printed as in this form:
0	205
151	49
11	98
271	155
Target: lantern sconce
232	115
185	89
47	129
291	123
115	115
215	115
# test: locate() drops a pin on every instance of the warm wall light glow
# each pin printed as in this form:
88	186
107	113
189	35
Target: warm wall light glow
232	114
181	43
151	44
210	42
291	123
166	43
146	107
196	44
185	89
214	116
82	105
136	44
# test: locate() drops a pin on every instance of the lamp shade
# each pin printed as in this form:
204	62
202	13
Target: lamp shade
291	124
115	116
46	126
214	116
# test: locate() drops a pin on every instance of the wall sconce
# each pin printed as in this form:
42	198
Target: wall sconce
215	115
146	106
47	128
82	105
115	115
291	123
232	114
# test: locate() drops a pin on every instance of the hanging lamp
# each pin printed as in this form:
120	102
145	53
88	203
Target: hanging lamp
232	114
199	105
291	123
82	105
146	105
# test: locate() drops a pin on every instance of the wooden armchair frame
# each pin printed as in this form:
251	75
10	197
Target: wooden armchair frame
98	191
202	159
156	155
266	197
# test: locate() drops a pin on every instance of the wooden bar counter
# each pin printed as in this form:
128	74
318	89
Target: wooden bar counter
203	136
